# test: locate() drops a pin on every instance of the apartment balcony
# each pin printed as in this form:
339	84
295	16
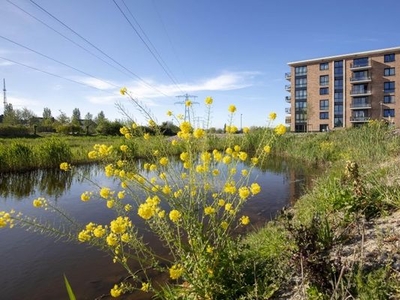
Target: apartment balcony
288	99
288	87
359	79
288	76
288	110
288	120
361	65
363	105
360	92
359	119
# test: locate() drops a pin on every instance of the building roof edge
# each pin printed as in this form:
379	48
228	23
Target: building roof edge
328	58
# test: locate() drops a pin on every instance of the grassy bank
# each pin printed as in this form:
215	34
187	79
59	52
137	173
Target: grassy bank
328	246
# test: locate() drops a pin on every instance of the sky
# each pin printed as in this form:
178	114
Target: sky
63	55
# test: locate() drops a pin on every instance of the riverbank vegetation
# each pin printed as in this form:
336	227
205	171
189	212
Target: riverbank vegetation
316	249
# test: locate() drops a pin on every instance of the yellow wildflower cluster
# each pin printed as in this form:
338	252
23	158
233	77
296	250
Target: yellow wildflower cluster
100	151
149	208
7	218
39	202
280	129
175	271
65	166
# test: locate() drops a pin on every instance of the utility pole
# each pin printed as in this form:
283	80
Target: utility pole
187	107
5	95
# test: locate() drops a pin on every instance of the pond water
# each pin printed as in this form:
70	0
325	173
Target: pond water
32	265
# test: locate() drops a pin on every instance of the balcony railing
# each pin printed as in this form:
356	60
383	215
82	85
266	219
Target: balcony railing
359	119
288	120
360	105
360	92
360	79
288	110
288	99
288	76
361	65
288	87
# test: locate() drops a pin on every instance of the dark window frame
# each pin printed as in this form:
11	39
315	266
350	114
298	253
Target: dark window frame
324	66
324	91
389	112
324	115
389	72
324	104
389	57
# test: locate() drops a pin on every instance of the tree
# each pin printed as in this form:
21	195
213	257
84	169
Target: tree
62	118
47	118
10	117
76	117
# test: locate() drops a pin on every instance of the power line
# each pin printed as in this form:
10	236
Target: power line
98	49
67	38
159	59
57	61
55	75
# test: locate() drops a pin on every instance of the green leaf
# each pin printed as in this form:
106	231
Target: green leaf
69	289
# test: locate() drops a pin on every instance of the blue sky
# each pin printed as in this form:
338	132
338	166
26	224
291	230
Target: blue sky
235	51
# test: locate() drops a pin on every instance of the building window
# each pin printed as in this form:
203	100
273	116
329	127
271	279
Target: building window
388	113
389	57
360	62
301	94
360	75
338	96
389	72
324	80
324	104
338	108
388	87
324	115
338	83
300	70
323	127
324	91
324	66
388	99
301	82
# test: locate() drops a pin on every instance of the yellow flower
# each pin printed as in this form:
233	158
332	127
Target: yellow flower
209	249
161	214
166	190
185	127
116	291
254	160
215	172
243	156
246	129
152	123
224	225
128	207
123	148
232	108
244	192
112	239
272	116
188	103
255	188
228	206
199	133
110	204
84	236
123	91
221	202
146	136
164	161
175	271
145	287
134	125
245	172
267	149
174	142
280	129
99	231
209	100
105	192
65	166
86	196
39	202
245	220
146	211
227	160
209	210
120	224
169	113
174	215
121	195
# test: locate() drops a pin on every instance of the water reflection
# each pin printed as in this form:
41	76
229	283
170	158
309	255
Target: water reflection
37	273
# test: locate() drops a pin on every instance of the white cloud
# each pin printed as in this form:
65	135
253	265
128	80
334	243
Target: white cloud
223	82
96	83
5	63
20	102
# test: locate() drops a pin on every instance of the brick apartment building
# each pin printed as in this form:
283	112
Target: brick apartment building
344	90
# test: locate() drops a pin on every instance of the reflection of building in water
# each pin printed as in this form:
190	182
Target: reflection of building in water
298	182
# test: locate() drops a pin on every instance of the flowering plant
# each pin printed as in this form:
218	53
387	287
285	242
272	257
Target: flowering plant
192	207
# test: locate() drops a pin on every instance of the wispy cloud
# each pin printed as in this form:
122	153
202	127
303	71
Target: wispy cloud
97	83
4	63
153	90
21	102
